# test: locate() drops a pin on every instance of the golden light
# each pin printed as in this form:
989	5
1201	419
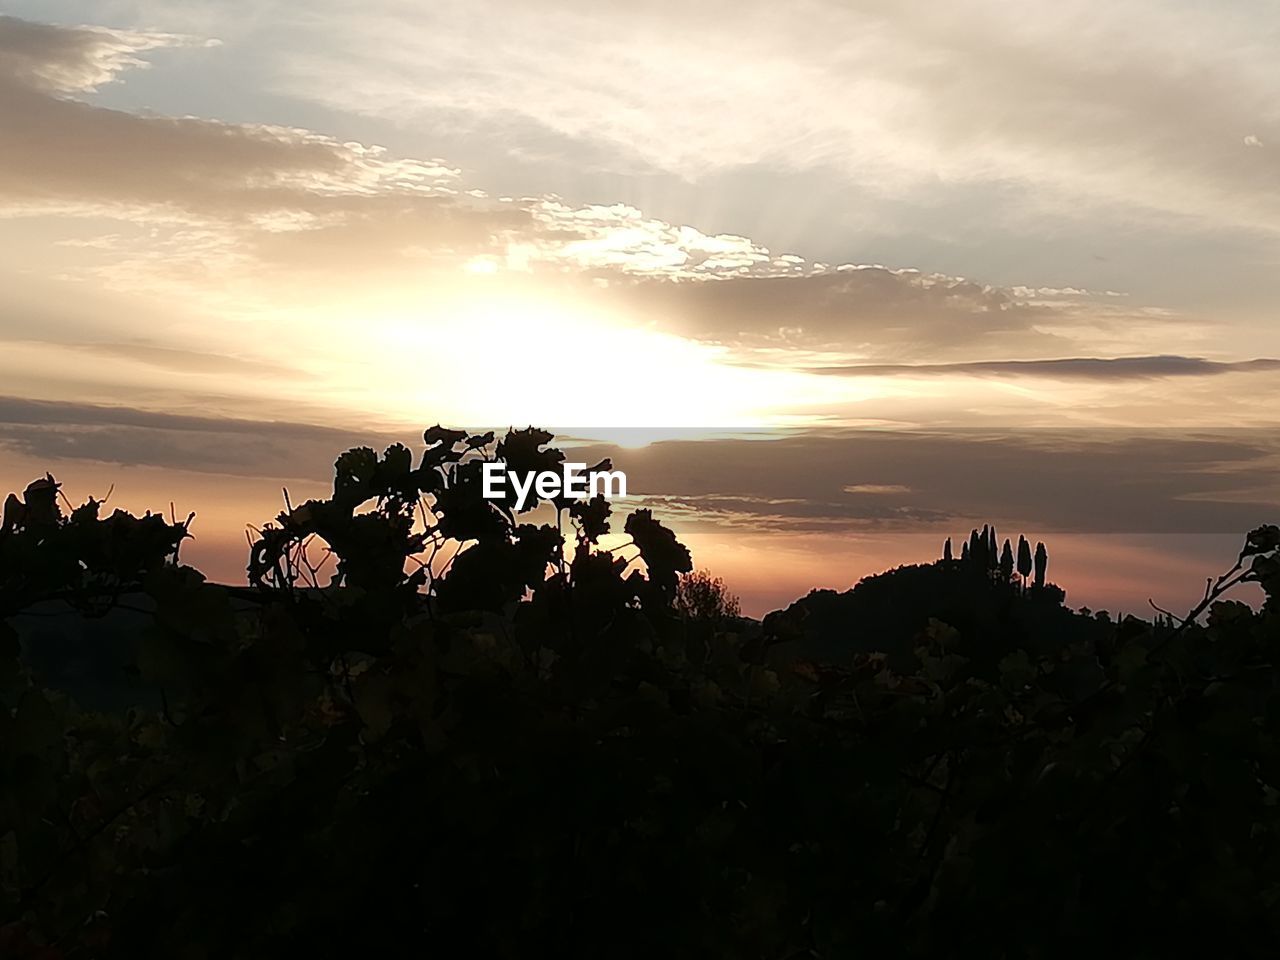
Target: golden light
485	357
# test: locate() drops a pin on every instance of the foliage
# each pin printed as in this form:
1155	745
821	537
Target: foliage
83	558
700	596
529	753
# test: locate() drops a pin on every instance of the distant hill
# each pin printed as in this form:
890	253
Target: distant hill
889	611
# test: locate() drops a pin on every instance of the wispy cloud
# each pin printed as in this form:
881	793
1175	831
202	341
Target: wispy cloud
873	313
1063	368
384	277
62	60
128	436
249	195
61	154
1069	480
1142	105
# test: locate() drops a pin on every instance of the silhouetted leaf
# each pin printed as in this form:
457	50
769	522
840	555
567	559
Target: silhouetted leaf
593	517
439	434
664	556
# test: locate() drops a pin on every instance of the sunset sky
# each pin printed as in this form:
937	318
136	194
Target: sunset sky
840	277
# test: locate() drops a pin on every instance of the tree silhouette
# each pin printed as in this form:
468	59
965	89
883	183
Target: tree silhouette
1024	559
700	596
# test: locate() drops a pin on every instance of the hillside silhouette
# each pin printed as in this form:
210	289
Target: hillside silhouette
887	611
542	746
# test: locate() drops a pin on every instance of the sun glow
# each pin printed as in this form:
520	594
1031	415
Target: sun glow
500	360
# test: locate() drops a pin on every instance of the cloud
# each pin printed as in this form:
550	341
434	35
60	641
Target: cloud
1065	368
249	211
246	197
377	274
127	436
1135	106
221	191
185	361
59	60
1095	481
62	155
826	316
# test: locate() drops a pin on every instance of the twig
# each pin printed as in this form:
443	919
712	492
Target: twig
1162	610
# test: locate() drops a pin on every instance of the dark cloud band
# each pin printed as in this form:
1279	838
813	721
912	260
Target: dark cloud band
1065	368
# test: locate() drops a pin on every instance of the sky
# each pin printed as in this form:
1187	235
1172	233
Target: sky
831	280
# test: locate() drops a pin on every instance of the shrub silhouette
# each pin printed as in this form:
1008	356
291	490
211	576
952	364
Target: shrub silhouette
82	558
530	753
700	596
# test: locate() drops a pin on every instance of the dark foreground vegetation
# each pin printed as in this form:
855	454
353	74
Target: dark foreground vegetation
532	752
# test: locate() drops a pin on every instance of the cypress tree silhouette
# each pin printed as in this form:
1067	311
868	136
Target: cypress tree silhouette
946	550
1041	562
1006	563
1024	559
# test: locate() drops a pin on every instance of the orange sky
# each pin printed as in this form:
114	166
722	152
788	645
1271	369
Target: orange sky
240	237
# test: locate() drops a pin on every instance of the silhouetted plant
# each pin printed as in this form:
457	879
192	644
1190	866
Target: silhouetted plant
82	558
1024	559
1006	563
700	596
1041	564
431	533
